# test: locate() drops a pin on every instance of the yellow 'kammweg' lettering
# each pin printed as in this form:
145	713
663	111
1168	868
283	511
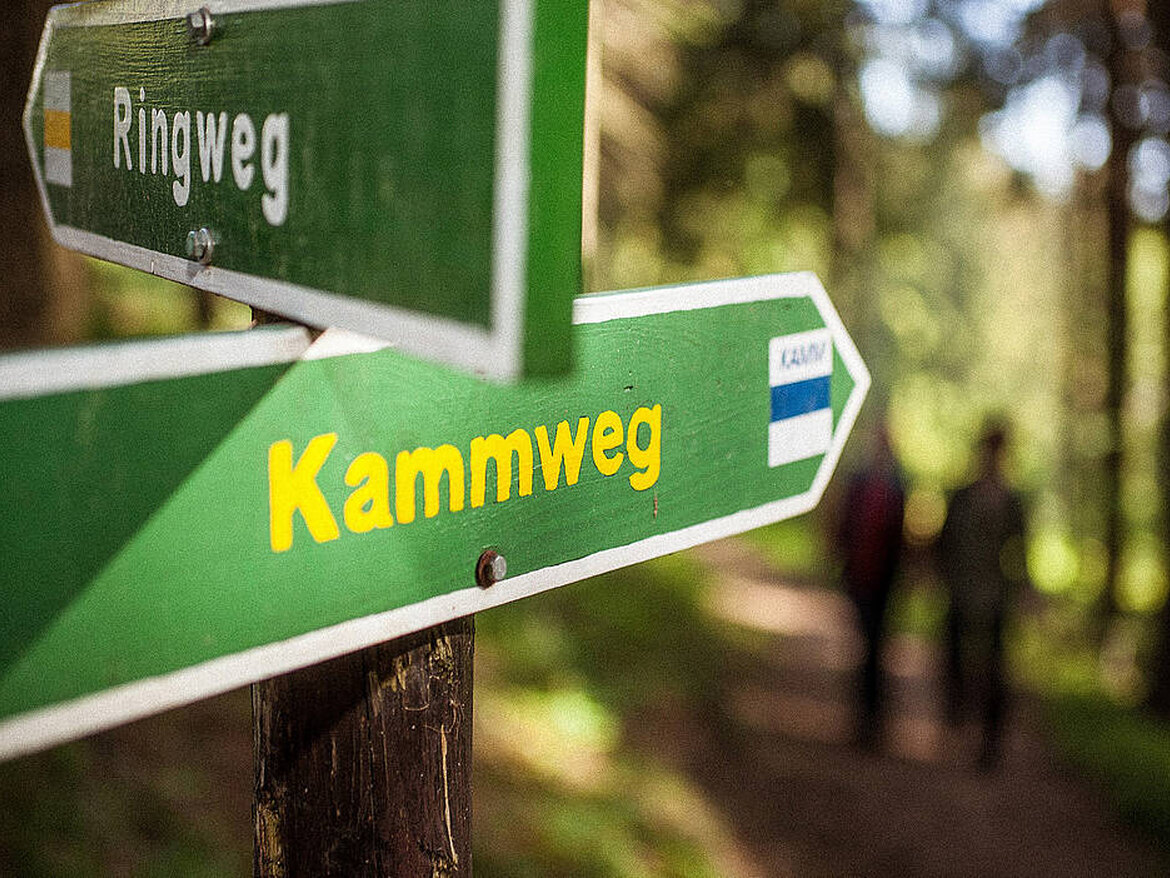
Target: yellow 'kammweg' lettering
368	507
607	435
648	460
295	488
500	450
431	463
566	448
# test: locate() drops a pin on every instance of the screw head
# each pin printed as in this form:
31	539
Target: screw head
200	245
490	569
201	24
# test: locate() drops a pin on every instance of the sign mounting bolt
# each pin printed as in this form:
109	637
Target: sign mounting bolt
490	568
201	24
200	246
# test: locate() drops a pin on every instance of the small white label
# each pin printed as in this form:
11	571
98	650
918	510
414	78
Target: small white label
800	356
57	93
800	369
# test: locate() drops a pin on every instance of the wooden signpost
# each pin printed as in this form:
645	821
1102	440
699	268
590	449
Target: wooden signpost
408	170
321	515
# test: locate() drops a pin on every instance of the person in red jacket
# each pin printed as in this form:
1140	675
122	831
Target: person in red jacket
870	539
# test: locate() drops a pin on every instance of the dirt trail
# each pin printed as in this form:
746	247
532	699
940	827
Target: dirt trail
771	751
806	802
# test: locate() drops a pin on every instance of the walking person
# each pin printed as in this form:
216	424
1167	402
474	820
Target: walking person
870	539
981	558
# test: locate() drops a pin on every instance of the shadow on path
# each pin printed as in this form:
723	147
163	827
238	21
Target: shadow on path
777	758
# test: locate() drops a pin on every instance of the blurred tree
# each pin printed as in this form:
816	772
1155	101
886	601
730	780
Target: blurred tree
1125	64
1158	671
42	289
853	197
639	52
753	135
845	138
716	155
1073	96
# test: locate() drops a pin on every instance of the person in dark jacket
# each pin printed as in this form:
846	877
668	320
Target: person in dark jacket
981	558
870	539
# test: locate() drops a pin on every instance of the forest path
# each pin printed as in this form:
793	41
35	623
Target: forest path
767	747
779	761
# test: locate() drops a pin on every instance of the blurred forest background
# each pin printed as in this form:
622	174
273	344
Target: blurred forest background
984	188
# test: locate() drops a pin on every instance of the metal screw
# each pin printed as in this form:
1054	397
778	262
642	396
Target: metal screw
200	246
201	24
490	568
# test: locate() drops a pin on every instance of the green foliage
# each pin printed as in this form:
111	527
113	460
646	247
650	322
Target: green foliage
62	816
631	637
129	303
794	546
623	830
714	158
917	609
1124	752
563	682
966	292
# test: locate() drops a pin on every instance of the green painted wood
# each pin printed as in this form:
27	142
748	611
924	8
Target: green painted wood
352	150
221	566
84	471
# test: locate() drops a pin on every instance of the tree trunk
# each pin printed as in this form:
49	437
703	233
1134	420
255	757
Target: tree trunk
42	288
854	224
1116	332
1158	669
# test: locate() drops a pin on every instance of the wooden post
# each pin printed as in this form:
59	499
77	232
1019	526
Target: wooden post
363	763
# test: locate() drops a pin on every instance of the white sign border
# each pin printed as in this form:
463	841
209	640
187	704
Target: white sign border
59	723
495	353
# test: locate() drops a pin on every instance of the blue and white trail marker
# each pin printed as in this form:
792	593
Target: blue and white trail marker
800	367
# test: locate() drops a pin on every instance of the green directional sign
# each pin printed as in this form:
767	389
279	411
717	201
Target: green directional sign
407	170
171	538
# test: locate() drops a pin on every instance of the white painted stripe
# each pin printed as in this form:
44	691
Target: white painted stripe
801	437
800	356
44	372
432	338
59	723
601	307
510	204
341	343
59	166
58	90
89	14
27	119
337	342
861	379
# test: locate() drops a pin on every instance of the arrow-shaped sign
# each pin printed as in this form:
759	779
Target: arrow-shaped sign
171	538
407	170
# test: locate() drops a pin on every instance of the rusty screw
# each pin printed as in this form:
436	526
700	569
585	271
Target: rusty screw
201	24
490	568
200	246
